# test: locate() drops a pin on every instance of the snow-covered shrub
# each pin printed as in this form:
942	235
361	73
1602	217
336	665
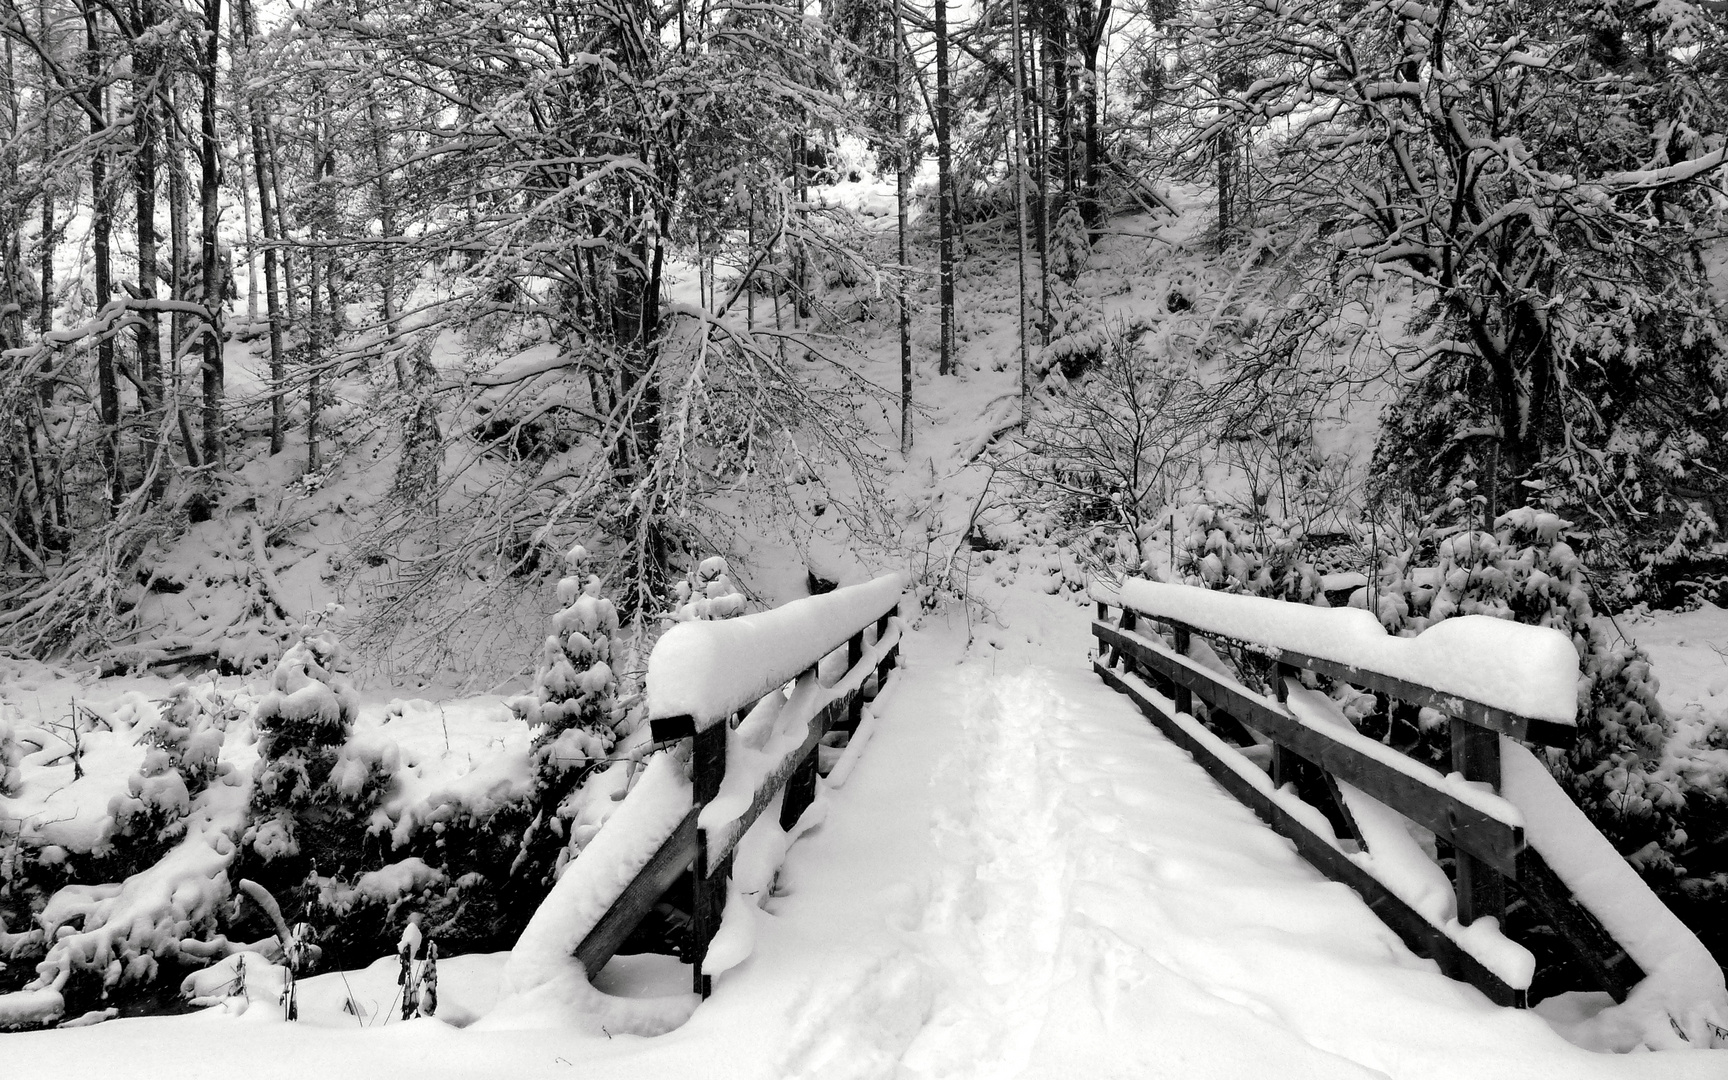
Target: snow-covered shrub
1102	458
1222	553
182	736
708	592
1079	336
303	725
1070	244
1690	569
1621	770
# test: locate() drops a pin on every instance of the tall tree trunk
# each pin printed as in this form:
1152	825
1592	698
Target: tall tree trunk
387	224
12	211
1020	209
945	207
1035	142
1097	28
101	230
315	325
215	280
179	233
902	195
268	221
50	492
180	258
147	340
49	239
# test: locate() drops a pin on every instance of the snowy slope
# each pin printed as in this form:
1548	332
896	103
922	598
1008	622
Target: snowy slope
1020	877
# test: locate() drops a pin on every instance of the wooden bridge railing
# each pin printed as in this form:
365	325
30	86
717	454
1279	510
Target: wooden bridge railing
765	654
1213	717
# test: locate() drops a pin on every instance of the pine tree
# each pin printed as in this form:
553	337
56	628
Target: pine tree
574	703
302	724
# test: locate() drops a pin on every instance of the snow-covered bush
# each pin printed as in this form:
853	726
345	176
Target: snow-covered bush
1222	553
708	592
302	724
182	736
1103	458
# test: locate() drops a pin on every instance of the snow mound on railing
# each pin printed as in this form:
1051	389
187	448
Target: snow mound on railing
709	670
1528	670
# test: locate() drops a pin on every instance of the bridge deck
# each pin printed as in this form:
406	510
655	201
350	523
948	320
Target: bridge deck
1023	878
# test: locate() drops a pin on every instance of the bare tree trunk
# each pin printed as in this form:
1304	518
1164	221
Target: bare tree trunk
48	241
387	223
180	259
1034	148
945	207
902	194
101	230
268	220
1096	28
147	341
315	307
12	211
1020	209
215	280
179	232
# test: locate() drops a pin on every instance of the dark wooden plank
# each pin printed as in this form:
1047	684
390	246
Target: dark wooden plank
1421	796
672	728
707	906
708	763
1481	891
854	700
650	883
800	791
1423	937
1605	959
1184	696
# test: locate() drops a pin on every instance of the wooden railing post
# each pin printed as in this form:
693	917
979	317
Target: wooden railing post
854	705
1481	890
708	884
1128	622
800	790
1285	765
1184	696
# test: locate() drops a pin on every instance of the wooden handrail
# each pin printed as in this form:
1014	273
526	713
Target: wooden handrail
1488	840
707	849
1544	732
1416	791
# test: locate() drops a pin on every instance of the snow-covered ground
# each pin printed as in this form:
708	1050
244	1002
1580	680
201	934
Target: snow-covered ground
1020	877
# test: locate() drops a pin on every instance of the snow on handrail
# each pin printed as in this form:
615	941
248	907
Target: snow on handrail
709	670
1531	671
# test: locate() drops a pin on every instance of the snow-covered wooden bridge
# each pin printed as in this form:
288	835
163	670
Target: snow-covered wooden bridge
758	706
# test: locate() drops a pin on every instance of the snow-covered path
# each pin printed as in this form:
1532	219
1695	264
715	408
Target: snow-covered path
1069	895
1020	878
